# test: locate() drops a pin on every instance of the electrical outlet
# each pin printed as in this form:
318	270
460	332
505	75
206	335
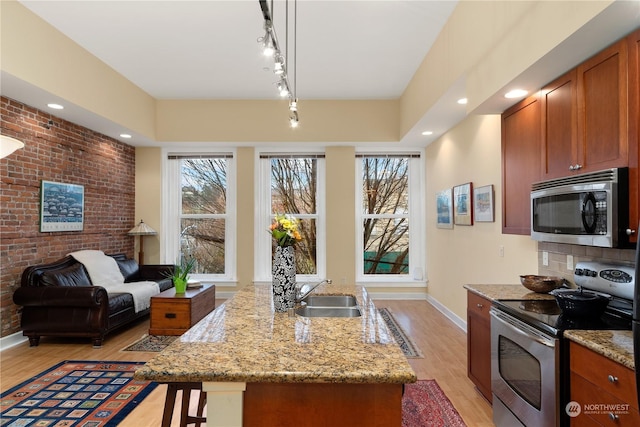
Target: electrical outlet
569	262
501	251
545	258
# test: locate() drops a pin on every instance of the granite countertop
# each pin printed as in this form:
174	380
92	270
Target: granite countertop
244	340
615	345
494	292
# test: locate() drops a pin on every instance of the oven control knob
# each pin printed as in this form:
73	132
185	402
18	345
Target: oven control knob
612	379
579	272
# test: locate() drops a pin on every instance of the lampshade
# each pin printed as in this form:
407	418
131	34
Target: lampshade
142	229
8	145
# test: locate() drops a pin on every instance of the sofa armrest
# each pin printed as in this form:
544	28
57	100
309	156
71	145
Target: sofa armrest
155	272
61	296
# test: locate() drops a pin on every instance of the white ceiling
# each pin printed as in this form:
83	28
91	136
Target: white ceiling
209	49
360	49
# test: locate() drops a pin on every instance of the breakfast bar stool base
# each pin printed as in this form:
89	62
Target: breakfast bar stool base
170	401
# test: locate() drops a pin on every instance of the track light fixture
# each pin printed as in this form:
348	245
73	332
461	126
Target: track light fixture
271	48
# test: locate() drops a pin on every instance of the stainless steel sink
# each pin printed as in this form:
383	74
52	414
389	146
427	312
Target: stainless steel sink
329	306
330	301
307	311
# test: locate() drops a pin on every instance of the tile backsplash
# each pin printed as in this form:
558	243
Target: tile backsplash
559	254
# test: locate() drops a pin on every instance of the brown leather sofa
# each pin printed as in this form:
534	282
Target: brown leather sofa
58	299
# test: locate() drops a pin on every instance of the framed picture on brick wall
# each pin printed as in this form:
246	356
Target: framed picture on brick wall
61	207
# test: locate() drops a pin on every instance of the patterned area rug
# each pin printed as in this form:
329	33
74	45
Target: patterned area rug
424	404
75	393
153	343
409	349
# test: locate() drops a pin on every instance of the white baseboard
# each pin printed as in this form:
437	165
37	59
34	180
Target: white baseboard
12	341
461	323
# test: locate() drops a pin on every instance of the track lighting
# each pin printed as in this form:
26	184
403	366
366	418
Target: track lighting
280	66
293	119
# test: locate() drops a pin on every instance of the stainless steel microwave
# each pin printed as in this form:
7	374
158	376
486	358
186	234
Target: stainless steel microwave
590	209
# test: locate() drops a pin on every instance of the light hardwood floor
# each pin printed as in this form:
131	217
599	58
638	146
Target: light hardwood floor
443	344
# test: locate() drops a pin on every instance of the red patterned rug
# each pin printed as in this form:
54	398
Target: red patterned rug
424	404
75	393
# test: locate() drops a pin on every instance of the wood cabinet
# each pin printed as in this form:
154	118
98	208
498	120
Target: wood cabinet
559	111
584	116
604	389
633	42
174	314
479	343
520	163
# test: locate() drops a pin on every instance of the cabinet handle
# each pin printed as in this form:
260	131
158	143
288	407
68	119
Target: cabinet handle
612	379
575	168
630	232
479	305
613	417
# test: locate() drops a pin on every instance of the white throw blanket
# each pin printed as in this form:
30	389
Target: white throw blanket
103	271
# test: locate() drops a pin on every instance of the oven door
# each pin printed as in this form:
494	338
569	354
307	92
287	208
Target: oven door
525	371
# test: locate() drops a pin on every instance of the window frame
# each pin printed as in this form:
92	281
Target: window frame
171	186
263	215
417	239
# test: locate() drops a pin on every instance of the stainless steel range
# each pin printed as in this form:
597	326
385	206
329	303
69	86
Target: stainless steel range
529	356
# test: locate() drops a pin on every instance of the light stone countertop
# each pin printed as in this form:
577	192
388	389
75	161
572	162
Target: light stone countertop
615	345
515	292
244	340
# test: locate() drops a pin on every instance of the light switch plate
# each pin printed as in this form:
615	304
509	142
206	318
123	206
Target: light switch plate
569	262
545	258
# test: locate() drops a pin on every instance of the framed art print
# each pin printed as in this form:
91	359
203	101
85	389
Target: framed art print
444	208
483	210
462	204
61	207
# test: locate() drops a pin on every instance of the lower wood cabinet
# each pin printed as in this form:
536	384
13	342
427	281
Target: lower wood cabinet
479	343
604	389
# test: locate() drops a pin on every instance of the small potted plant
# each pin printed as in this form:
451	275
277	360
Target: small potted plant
180	275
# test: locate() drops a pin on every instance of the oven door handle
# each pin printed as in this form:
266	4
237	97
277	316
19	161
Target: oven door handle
522	328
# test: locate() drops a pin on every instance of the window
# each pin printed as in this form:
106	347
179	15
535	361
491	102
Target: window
389	213
292	184
200	213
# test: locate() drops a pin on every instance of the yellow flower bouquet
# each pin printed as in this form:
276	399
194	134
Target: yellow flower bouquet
284	230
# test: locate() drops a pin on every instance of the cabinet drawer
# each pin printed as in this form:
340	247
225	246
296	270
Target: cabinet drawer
608	375
478	305
171	316
598	405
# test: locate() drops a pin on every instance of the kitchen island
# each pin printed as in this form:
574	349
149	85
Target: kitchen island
264	368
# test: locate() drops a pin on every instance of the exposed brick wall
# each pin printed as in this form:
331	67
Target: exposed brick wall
64	153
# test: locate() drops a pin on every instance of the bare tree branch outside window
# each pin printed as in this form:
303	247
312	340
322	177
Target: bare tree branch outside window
204	205
293	191
385	207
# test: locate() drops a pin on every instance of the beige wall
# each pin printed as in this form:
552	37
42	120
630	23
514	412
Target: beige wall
149	200
470	152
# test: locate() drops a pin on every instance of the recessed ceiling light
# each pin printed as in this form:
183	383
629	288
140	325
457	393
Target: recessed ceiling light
55	106
462	101
515	93
427	133
125	135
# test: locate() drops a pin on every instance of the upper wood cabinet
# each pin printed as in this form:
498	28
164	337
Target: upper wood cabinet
584	116
520	163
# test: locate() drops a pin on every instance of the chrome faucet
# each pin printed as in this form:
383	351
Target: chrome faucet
306	289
